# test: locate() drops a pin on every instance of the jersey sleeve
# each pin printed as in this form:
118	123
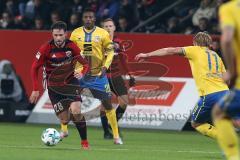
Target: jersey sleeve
109	49
189	52
124	60
225	15
38	62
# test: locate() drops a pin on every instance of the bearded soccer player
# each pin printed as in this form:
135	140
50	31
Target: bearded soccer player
226	113
207	70
114	74
95	42
59	57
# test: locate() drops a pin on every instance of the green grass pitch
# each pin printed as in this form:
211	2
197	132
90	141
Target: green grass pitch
22	142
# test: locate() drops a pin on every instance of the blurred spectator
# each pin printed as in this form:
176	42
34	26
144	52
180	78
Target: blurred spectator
216	47
172	25
37	8
203	25
93	4
12	7
74	22
108	9
128	9
78	6
7	21
39	24
147	8
10	85
123	25
21	14
205	10
55	16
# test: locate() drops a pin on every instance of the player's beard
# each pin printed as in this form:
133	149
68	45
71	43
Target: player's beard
59	43
89	26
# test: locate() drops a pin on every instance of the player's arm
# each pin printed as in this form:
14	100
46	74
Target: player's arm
36	65
109	50
124	60
78	58
162	52
228	29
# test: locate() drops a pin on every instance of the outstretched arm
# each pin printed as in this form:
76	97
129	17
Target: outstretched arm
228	54
161	52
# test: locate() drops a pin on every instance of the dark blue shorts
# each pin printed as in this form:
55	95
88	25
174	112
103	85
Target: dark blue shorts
203	109
99	87
230	104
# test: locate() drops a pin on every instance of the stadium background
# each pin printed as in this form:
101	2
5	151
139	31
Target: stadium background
149	24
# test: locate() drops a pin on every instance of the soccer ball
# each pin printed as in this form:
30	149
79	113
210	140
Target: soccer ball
50	137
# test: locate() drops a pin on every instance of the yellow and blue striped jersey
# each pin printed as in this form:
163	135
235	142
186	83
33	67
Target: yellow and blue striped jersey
94	45
207	69
229	14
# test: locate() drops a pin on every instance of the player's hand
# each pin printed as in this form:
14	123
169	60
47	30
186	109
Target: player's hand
230	79
132	81
34	97
140	56
103	72
78	75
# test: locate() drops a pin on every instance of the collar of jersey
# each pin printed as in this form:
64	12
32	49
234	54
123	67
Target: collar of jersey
86	31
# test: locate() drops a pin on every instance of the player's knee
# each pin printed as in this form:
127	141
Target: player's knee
236	123
123	102
195	125
217	113
75	108
107	104
76	118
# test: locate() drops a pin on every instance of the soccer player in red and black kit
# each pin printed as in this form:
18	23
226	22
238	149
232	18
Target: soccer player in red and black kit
58	57
116	70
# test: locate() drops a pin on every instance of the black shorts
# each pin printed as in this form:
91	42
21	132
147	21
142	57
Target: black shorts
118	86
61	102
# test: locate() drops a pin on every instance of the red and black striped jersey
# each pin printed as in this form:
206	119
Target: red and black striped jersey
57	59
119	65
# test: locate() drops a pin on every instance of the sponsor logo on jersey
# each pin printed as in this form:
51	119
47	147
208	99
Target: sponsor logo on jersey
68	53
38	55
97	38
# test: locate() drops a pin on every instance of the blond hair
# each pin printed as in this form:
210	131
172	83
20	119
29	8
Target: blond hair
202	39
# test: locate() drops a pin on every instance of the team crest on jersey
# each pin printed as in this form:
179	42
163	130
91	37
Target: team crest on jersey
79	39
38	55
97	38
68	53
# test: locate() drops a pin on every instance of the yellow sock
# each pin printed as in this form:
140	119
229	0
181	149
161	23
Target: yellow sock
64	127
207	130
227	139
111	116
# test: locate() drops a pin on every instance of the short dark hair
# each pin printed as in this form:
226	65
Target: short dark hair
59	25
89	10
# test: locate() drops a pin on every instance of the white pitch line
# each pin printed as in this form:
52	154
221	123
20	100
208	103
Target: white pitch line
111	149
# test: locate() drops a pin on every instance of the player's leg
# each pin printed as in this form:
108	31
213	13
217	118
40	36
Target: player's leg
200	118
100	89
105	125
64	118
227	137
111	116
123	102
80	122
64	129
118	87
